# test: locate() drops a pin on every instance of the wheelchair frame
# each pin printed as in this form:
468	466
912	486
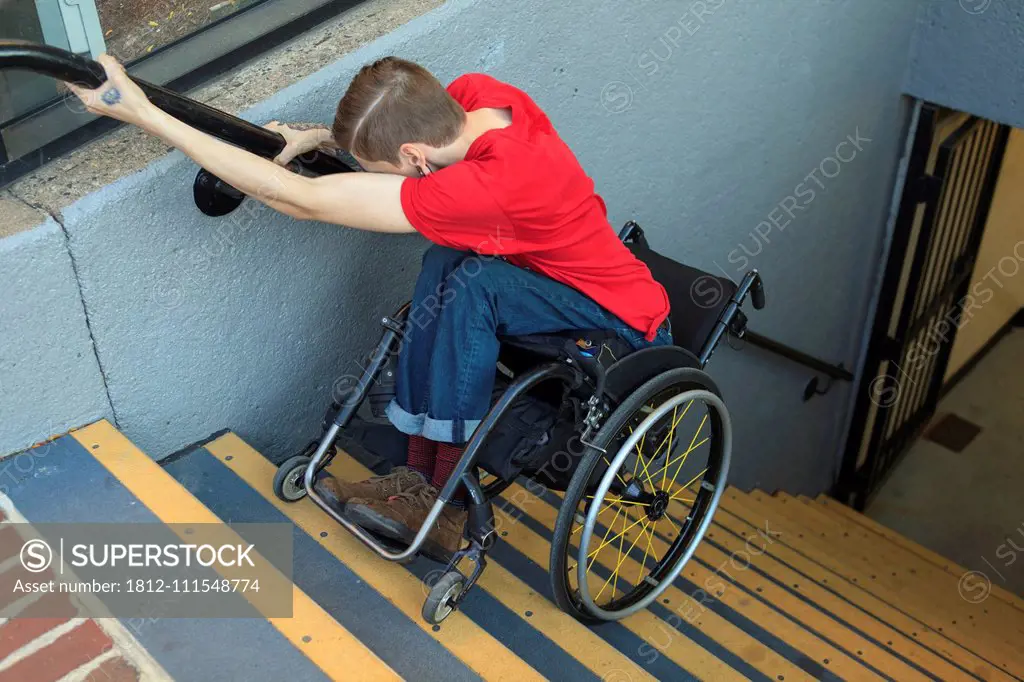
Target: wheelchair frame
480	526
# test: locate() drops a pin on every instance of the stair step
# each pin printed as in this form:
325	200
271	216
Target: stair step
526	524
906	572
461	643
782	588
839	509
932	611
732	614
96	475
884	646
740	516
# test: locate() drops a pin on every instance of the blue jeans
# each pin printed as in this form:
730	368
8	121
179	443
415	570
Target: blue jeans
463	304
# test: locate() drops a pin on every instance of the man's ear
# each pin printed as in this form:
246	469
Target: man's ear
410	153
415	155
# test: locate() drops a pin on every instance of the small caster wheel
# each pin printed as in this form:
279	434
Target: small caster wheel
288	485
439	604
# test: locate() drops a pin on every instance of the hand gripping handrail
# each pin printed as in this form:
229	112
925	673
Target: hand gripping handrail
62	65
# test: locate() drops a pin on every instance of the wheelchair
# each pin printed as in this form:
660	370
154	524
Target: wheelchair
637	442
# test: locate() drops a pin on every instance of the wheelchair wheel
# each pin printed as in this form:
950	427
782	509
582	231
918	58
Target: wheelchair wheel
443	595
642	497
288	485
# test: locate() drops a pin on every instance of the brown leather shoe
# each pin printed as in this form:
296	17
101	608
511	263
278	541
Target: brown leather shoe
401	516
337	492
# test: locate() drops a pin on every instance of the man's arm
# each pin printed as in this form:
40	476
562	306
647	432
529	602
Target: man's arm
369	201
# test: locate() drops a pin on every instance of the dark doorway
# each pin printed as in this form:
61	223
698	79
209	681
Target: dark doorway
951	178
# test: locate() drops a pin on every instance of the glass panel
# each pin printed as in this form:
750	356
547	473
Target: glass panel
163	41
20	91
127	29
134	28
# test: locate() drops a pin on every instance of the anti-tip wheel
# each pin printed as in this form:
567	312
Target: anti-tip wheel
446	590
288	484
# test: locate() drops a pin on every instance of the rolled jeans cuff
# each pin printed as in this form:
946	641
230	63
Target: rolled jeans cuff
440	430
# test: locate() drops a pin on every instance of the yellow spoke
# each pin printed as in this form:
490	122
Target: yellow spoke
580	527
671	430
692	480
669	451
691	448
683	455
621	479
640	456
615	573
668	461
672	523
647	551
675	422
622	558
606	540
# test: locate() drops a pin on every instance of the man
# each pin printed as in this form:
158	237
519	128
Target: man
522	245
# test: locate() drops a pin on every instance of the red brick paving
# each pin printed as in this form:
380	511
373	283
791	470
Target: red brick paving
10	542
51	605
49	664
10	577
114	670
18	632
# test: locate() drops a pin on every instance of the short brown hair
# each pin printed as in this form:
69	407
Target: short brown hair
391	102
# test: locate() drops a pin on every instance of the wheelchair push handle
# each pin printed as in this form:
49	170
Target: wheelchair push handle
757	290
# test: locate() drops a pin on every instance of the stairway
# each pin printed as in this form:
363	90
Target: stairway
783	588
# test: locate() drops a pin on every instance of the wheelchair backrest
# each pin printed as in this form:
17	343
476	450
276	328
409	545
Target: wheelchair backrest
703	305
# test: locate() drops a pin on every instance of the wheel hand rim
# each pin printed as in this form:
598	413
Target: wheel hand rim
611	473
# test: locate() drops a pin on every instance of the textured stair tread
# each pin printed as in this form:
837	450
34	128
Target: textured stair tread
537	549
805	539
901	634
709	622
808	542
911	573
899	571
96	475
840	509
462	637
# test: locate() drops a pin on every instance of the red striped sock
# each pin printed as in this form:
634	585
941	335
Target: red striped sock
448	455
422	455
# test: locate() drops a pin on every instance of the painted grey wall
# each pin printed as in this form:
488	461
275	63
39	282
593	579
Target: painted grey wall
969	55
703	121
244	322
49	378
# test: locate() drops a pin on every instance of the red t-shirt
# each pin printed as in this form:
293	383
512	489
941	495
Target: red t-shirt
521	194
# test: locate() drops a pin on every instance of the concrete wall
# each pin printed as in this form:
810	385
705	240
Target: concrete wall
969	55
739	133
49	377
998	280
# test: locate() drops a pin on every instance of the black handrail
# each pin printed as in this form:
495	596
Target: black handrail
798	356
62	65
